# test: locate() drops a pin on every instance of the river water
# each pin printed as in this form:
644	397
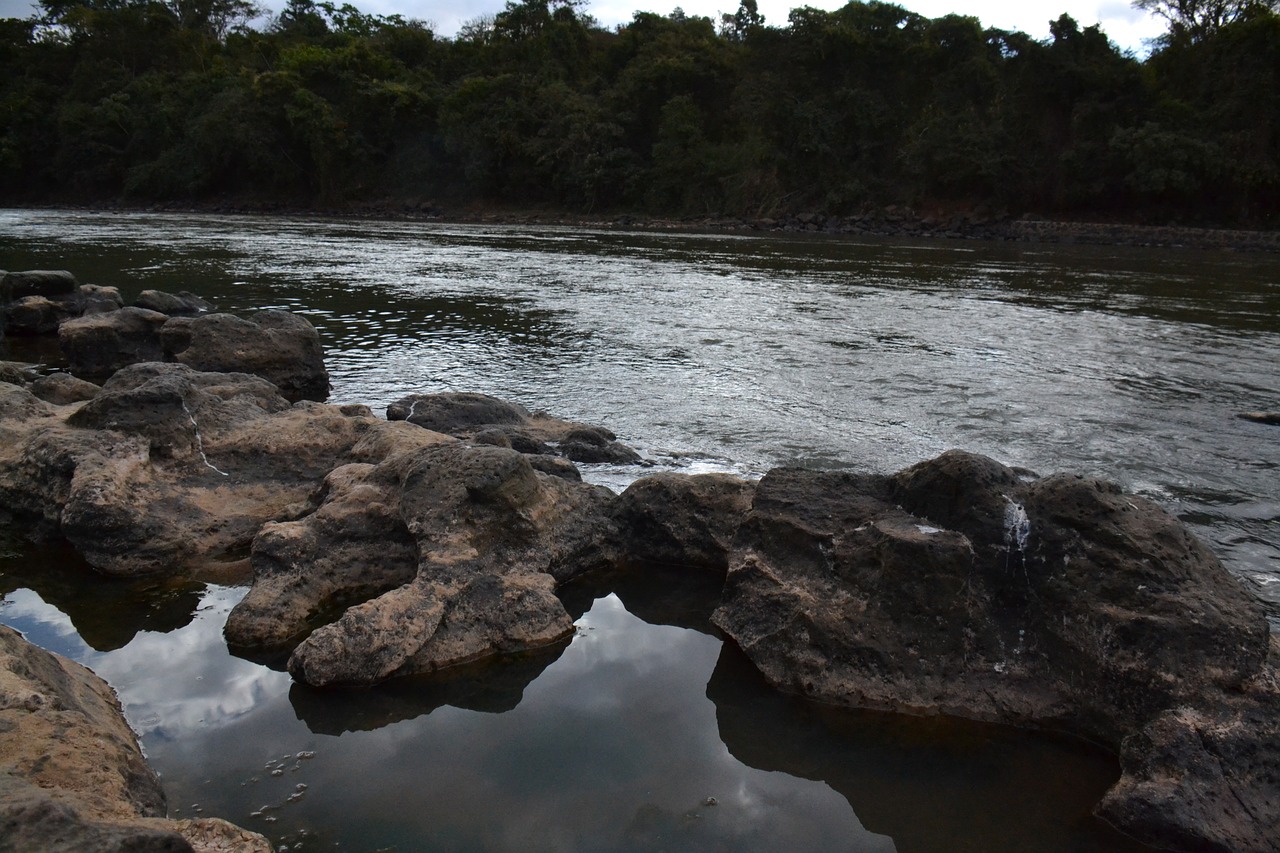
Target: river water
732	353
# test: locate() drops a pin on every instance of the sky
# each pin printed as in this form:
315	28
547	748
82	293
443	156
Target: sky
1125	26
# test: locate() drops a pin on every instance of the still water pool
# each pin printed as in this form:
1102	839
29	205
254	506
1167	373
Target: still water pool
705	353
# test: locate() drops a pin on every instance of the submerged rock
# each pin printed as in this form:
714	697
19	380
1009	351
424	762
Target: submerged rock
1272	418
72	777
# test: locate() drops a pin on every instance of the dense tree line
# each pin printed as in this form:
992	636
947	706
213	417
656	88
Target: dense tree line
865	106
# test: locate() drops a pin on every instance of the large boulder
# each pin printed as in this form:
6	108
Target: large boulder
488	420
98	345
442	555
168	469
965	588
72	777
281	347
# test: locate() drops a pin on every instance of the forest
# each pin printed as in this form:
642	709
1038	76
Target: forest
540	107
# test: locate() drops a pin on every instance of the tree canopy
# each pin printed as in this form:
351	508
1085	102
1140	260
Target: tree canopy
865	106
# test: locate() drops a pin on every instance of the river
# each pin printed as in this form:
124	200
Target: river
724	352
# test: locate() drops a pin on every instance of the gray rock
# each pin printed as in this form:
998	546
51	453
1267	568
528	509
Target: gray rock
62	389
50	283
488	420
98	345
281	347
181	304
18	373
1057	603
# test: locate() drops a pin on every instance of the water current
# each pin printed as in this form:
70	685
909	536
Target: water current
732	353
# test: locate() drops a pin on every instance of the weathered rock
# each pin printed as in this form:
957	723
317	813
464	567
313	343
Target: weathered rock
62	389
167	469
482	537
42	315
682	519
1059	603
18	373
98	345
1205	776
281	347
35	315
180	304
72	777
482	419
1272	418
50	283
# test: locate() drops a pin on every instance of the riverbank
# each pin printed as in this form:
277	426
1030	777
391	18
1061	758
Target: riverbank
891	222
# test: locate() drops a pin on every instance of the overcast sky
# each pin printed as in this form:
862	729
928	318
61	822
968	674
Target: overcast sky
1125	26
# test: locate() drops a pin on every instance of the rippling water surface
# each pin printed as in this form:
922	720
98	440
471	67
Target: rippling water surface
705	353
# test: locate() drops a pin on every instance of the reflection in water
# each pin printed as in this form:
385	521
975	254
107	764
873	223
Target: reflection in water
613	743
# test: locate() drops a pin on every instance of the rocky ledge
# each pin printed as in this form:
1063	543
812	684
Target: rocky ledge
441	536
72	777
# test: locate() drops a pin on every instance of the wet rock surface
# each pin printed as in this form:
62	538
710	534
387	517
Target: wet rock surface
72	777
180	304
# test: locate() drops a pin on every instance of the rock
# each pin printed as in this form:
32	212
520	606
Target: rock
167	469
63	389
18	373
72	777
34	315
98	345
281	347
487	420
443	555
181	304
1205	777
682	519
1272	418
48	283
96	299
1056	603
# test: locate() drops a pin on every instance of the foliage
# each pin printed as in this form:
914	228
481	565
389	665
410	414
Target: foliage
867	105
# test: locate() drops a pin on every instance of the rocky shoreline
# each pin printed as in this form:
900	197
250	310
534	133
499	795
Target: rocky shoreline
893	222
441	535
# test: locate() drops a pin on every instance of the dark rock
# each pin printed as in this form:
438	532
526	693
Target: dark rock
50	283
96	299
18	373
281	347
181	304
1059	603
1272	418
488	420
556	466
98	345
682	519
62	389
35	315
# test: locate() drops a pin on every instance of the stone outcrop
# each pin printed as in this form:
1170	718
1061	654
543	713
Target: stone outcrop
167	469
488	420
39	314
965	588
72	777
681	519
442	555
63	389
281	347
